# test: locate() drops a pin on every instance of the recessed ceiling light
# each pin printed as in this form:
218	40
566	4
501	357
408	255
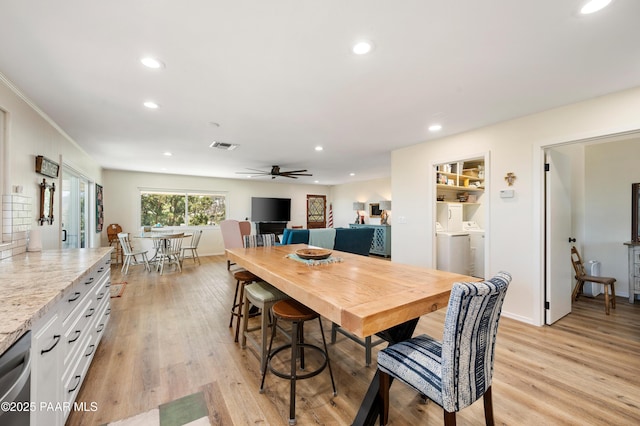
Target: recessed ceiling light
435	127
151	105
151	62
319	148
352	174
362	47
168	154
316	181
593	6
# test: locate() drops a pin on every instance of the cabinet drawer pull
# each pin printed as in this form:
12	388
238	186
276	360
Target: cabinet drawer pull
100	328
107	312
78	377
78	333
101	269
100	296
89	281
77	295
92	347
91	311
56	337
108	284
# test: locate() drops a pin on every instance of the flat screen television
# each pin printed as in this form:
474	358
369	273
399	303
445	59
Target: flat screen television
270	209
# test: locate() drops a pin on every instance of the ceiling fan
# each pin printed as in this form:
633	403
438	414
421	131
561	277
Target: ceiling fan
275	172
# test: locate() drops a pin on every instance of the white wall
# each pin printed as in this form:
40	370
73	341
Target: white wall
122	199
371	191
30	133
610	170
515	240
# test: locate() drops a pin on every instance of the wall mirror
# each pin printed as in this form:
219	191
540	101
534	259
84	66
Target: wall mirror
46	202
635	220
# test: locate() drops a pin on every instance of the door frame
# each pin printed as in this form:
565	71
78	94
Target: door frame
324	224
539	240
486	204
90	205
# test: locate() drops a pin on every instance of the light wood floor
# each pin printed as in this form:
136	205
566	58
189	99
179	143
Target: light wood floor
168	337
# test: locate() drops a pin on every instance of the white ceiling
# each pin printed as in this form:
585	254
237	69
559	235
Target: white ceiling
279	76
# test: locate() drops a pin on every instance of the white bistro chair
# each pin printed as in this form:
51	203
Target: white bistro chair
169	249
193	247
131	257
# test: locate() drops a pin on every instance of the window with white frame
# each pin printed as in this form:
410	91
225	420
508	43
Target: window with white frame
172	208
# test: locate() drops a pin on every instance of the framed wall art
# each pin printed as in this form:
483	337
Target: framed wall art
374	210
99	208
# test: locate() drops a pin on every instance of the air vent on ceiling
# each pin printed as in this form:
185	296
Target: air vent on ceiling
224	146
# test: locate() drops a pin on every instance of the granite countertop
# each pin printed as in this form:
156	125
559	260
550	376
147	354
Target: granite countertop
31	283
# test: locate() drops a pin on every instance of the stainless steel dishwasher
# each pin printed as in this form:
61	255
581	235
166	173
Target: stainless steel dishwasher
15	383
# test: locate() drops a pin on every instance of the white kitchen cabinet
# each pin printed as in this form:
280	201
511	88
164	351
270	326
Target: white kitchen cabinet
64	344
46	357
450	216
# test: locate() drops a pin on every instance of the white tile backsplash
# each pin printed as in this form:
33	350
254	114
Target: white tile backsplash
16	223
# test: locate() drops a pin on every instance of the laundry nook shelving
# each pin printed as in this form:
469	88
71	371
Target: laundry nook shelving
460	217
467	176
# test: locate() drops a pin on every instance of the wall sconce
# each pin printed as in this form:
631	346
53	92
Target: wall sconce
384	216
358	207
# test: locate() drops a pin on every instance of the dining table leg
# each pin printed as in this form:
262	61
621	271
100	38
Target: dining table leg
370	407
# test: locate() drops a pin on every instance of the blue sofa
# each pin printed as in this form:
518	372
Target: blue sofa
350	240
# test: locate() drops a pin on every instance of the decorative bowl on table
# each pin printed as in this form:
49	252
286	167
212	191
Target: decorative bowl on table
313	254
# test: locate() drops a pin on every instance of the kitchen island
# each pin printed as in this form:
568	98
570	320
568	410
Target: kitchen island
62	298
33	282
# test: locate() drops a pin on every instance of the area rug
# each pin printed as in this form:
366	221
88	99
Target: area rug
117	289
190	410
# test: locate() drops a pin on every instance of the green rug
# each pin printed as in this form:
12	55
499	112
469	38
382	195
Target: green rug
190	410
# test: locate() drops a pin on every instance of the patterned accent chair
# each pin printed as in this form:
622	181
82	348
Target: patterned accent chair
456	372
259	240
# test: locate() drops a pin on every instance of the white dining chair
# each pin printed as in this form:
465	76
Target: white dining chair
169	251
192	247
131	257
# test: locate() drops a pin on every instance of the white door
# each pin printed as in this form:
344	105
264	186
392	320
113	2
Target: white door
75	210
558	278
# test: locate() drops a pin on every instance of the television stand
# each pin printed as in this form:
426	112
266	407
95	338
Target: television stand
271	228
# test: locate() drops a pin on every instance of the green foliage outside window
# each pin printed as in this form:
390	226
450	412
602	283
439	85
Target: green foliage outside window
170	209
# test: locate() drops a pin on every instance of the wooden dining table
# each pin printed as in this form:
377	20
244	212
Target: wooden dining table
364	295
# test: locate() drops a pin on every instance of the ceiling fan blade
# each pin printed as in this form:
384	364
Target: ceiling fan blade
288	174
293	171
254	172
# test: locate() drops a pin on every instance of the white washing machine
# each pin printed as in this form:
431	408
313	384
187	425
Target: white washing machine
452	251
476	255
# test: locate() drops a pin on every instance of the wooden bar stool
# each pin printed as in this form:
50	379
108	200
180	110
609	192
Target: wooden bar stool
261	295
296	313
242	278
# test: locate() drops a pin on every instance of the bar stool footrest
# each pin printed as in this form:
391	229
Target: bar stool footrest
307	375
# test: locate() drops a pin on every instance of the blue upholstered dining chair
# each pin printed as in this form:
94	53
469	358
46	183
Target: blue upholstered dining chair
457	371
